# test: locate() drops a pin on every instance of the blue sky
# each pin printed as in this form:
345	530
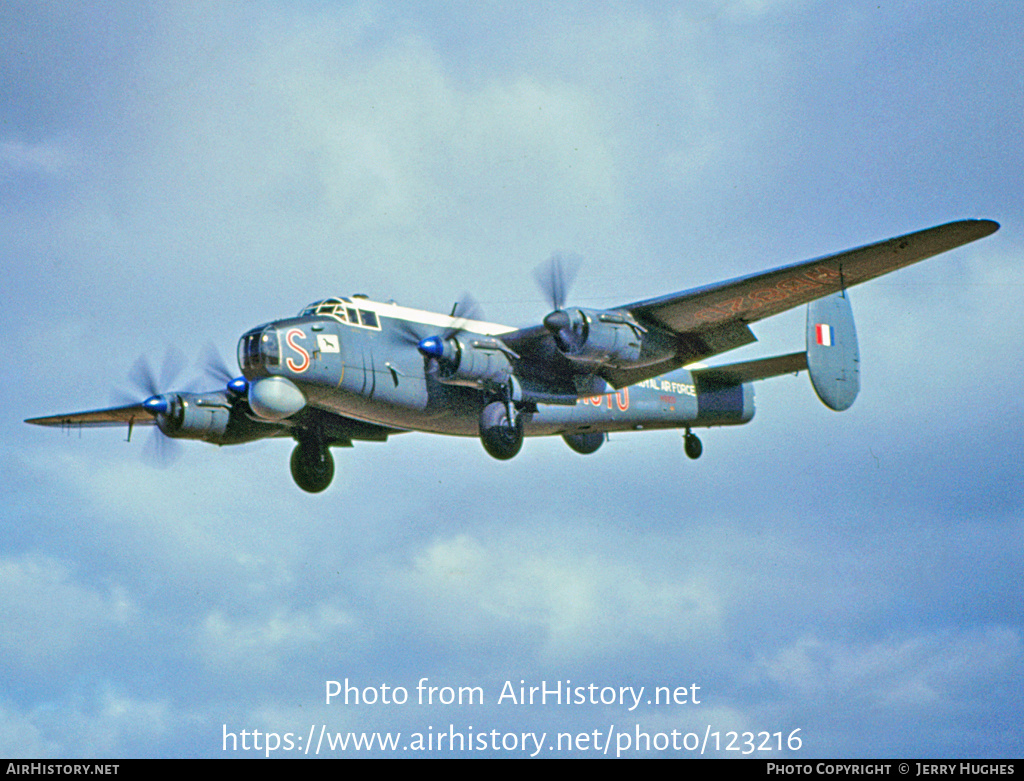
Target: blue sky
176	173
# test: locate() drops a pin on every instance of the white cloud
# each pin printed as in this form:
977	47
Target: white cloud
109	724
579	604
21	737
905	674
264	644
52	621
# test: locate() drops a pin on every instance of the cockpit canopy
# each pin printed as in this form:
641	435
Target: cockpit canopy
344	310
329	306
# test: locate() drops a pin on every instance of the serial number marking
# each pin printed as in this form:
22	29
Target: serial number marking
621	400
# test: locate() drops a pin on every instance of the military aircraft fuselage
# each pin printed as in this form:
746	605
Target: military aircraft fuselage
360	359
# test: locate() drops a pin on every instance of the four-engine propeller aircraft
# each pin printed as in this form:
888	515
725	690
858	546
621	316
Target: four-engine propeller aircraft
348	369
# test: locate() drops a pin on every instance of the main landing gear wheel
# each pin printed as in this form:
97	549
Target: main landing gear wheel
692	445
585	444
312	467
501	439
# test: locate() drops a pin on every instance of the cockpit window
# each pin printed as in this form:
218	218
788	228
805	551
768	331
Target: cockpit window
269	349
342	310
329	306
258	349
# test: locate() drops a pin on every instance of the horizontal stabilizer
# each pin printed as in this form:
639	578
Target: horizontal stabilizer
750	371
833	360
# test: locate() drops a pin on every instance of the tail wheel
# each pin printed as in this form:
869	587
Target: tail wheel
501	439
312	467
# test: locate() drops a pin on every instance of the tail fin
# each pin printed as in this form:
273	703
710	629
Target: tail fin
833	360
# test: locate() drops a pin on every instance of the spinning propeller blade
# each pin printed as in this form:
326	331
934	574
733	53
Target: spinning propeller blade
215	366
433	346
160	451
144	380
463	310
556	275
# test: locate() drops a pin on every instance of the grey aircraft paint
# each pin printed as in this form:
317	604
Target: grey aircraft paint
833	360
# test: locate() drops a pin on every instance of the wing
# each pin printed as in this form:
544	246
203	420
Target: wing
706	321
134	414
755	297
336	430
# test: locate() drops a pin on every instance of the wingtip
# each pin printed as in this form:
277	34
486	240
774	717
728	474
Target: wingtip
973	229
983	227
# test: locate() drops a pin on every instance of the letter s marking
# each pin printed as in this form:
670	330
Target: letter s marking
298	368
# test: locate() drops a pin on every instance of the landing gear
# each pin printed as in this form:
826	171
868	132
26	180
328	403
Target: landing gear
585	444
692	445
501	437
312	466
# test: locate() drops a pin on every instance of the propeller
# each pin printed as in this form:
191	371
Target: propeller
166	407
463	310
439	346
159	450
555	276
214	366
145	383
442	347
142	376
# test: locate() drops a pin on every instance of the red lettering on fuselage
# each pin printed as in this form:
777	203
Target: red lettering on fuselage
621	399
290	337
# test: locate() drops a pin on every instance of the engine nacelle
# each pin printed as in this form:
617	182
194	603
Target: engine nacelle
596	337
468	361
203	416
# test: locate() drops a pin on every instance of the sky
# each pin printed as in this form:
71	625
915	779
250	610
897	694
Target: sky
836	585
